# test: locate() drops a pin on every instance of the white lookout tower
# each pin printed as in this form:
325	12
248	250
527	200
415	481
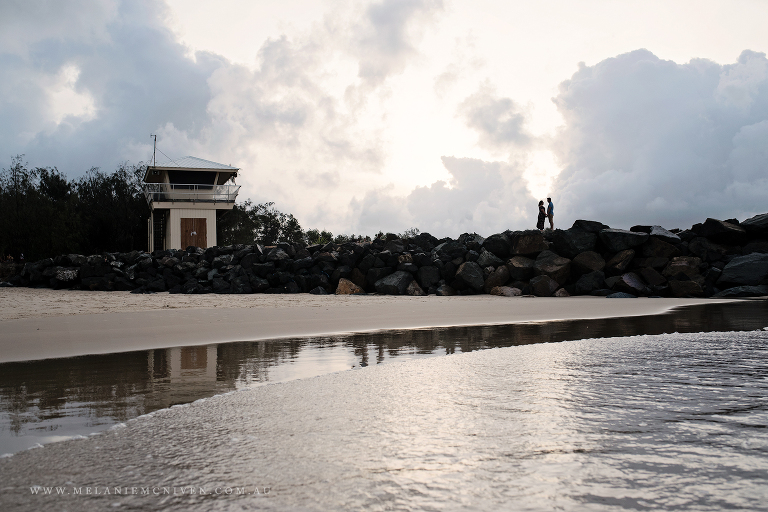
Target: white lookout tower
183	197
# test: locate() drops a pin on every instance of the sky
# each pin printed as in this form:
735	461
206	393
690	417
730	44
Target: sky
448	116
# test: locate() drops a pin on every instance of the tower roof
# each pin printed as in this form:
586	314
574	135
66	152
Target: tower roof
192	162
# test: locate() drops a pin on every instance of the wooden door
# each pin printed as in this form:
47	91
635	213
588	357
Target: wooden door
194	232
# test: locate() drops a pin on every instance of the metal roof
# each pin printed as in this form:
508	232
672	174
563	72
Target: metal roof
192	162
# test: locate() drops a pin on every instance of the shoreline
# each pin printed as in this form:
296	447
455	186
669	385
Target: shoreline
38	324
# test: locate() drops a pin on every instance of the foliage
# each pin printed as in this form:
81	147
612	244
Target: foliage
247	223
43	214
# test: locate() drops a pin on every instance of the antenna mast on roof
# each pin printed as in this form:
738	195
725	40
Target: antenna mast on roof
154	151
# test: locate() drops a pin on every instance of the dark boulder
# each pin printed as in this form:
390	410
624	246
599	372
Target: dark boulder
617	240
589	226
686	265
395	246
658	232
499	277
428	276
297	265
651	276
587	262
743	291
556	267
277	254
723	232
318	290
448	251
748	270
755	246
757	224
425	241
685	289
520	268
258	284
473	241
445	291
468	275
619	263
64	278
376	274
414	290
527	243
631	283
543	286
655	247
488	259
590	282
707	250
620	295
394	284
240	284
498	244
572	242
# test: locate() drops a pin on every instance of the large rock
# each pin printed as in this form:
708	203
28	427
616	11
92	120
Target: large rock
428	276
469	275
617	240
394	284
445	291
685	289
687	265
655	247
395	246
587	262
543	286
347	287
652	277
590	226
619	263
590	282
572	242
527	243
706	249
757	224
500	277
506	291
550	264
755	246
498	244
449	251
375	274
743	291
488	259
748	270
425	241
723	232
520	268
631	283
658	232
414	289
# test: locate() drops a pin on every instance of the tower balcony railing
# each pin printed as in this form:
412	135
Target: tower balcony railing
180	192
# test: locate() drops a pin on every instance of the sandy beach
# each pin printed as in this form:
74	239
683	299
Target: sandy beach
40	323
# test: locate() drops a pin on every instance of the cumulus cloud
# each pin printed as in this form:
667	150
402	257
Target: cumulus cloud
651	141
499	122
488	197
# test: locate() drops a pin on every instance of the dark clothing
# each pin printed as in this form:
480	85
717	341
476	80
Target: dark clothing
542	216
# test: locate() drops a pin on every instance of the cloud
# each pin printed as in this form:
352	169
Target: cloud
385	37
651	141
485	197
500	122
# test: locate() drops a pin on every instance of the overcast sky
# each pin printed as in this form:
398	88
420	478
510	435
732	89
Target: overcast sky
449	116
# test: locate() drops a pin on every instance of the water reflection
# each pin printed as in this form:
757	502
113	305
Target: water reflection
49	400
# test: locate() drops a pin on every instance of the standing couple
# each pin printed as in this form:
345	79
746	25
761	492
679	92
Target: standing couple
543	214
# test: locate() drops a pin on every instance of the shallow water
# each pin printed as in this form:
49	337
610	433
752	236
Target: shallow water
56	399
665	422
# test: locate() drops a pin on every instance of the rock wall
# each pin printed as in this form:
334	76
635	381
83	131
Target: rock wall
712	259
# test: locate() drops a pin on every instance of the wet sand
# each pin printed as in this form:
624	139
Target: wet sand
41	323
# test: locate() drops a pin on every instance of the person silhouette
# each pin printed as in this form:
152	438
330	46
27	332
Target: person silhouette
551	213
542	216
